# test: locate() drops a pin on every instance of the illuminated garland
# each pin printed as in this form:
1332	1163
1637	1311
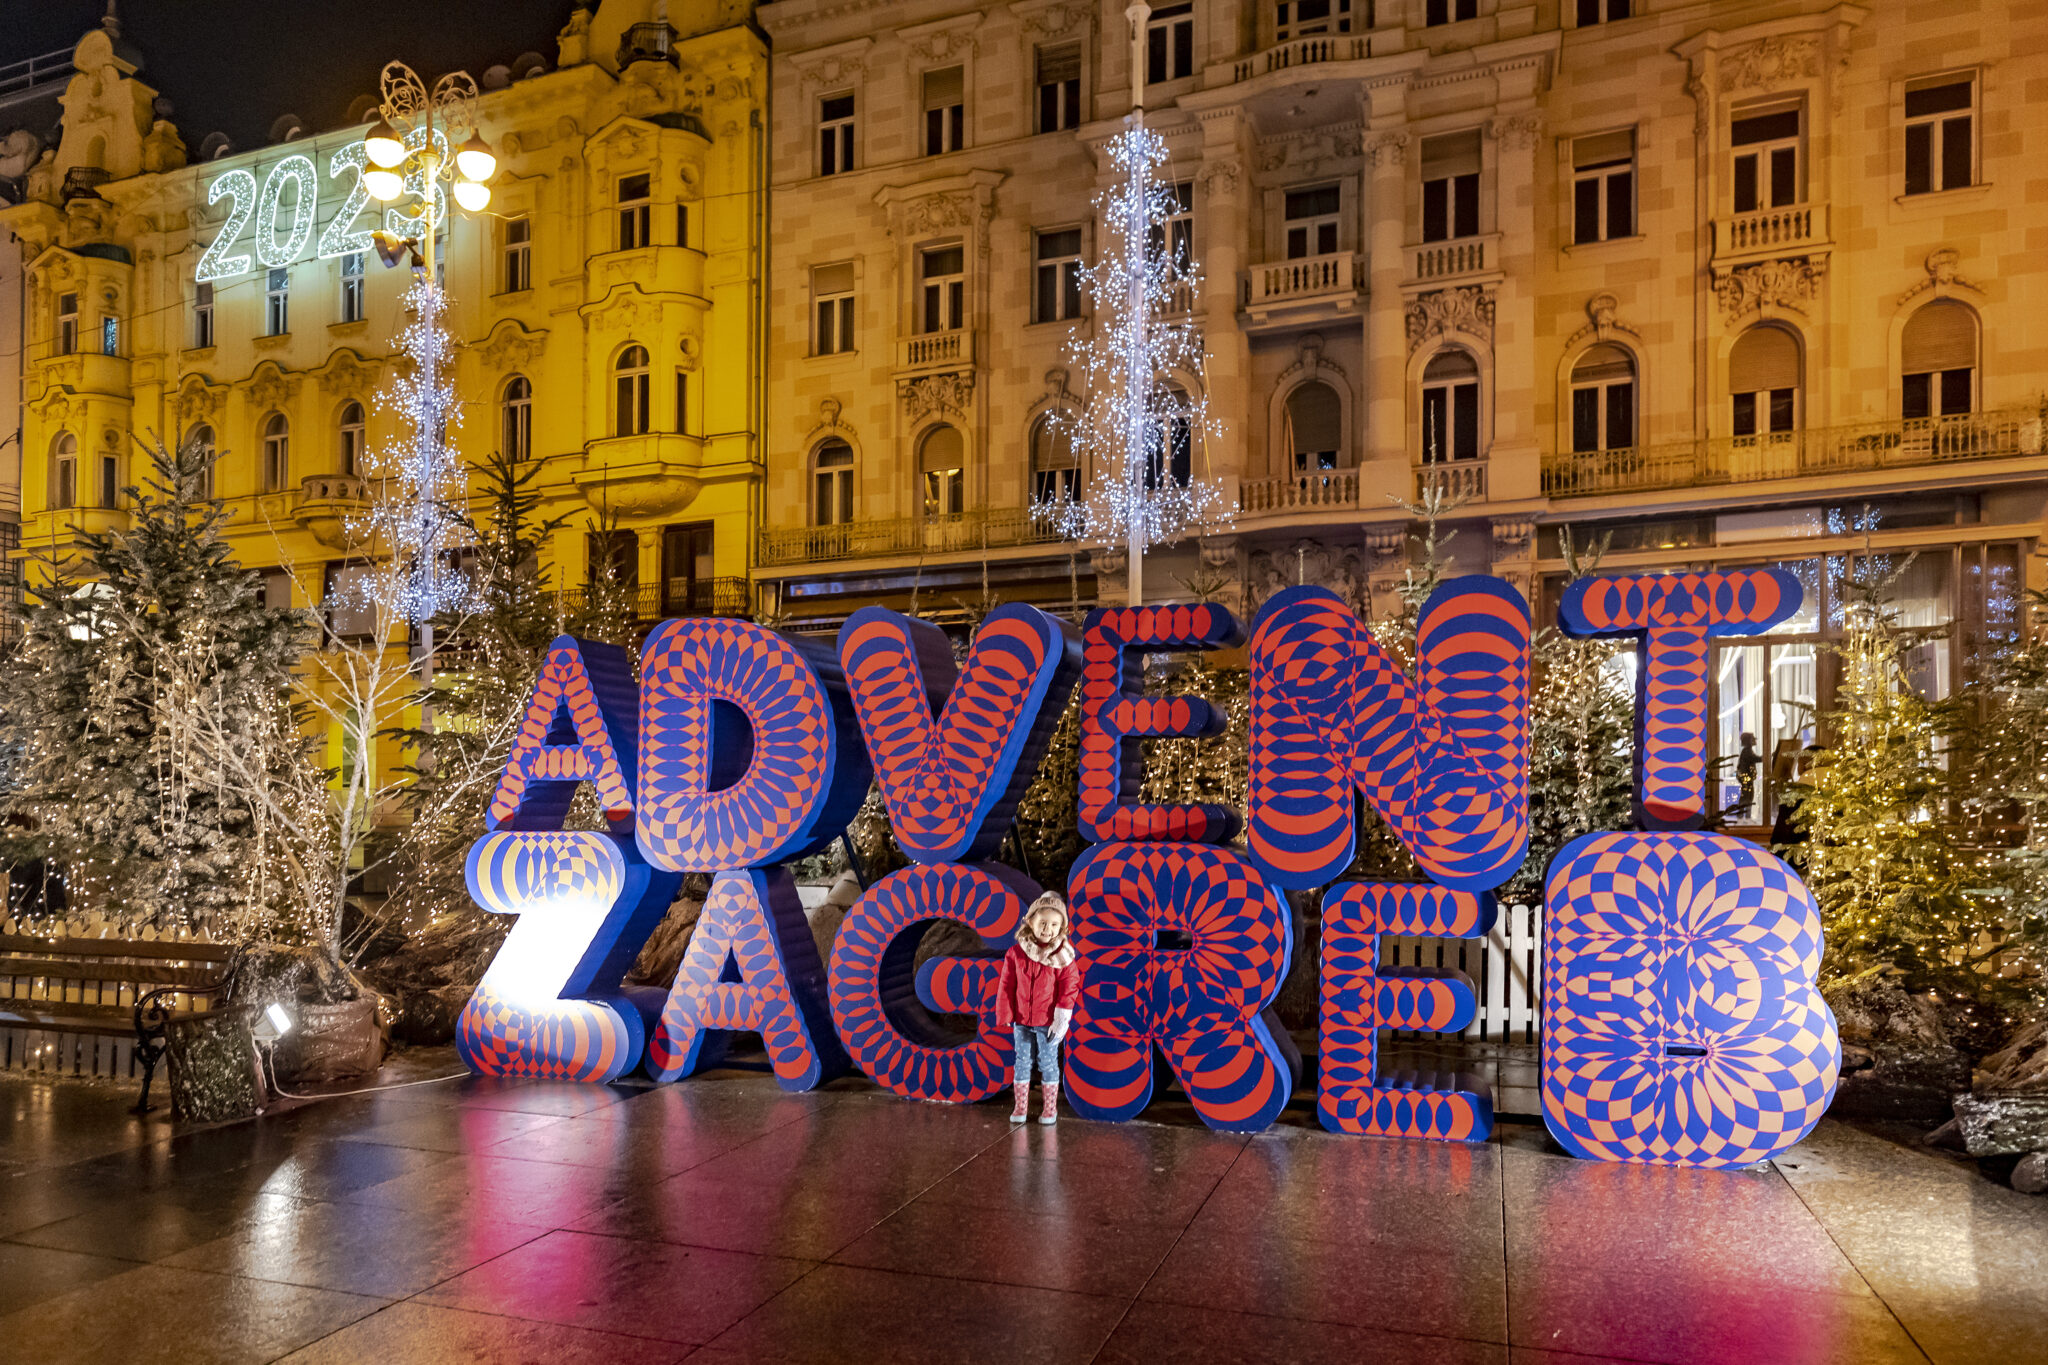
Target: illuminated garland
1132	404
305	209
413	518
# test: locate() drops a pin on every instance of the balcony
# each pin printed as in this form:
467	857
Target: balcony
1319	491
1292	291
1864	447
1323	47
1800	230
327	503
995	529
650	602
1435	264
935	351
1457	482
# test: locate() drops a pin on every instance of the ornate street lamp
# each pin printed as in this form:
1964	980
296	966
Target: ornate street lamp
408	149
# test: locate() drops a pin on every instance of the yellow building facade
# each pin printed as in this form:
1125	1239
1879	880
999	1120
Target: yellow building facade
605	306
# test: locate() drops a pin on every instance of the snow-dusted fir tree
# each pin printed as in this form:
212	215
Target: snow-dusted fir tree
155	634
1143	418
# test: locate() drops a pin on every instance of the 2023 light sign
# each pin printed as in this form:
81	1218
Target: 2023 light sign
287	201
1681	1021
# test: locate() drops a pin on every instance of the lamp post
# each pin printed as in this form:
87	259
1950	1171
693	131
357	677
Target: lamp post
408	152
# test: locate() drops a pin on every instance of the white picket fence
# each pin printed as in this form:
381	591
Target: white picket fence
1506	968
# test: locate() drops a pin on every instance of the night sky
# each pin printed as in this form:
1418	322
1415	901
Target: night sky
235	65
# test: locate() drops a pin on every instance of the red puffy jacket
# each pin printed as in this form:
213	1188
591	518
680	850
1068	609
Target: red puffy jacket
1028	992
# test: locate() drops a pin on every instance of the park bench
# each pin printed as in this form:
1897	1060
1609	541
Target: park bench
101	1006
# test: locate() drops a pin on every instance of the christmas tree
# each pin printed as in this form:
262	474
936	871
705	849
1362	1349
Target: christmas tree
1884	855
156	646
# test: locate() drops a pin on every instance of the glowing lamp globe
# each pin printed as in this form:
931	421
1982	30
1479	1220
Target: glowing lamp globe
383	145
471	195
475	159
382	184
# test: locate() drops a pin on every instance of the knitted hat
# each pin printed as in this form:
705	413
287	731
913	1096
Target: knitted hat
1059	952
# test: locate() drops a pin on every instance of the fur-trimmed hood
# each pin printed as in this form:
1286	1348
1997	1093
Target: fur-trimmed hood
1060	952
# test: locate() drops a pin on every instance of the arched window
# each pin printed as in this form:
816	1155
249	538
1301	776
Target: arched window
64	470
629	386
1763	381
1055	472
277	463
940	459
200	440
515	428
832	481
1450	408
1604	400
352	438
1171	452
1938	361
1315	427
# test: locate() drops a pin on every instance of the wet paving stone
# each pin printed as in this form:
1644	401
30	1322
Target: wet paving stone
721	1220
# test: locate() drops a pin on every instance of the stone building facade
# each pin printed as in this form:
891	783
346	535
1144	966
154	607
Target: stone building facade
1726	283
606	309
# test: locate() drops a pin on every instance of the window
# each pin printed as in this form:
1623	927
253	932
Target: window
688	583
1180	228
1449	12
629	387
832	308
67	326
634	212
1058	276
1594	11
1604	186
515	419
64	470
1604	400
348	607
277	437
832	483
277	589
202	317
1450	408
1938	357
614	557
1766	160
1315	426
1763	381
1302	18
1059	87
682	224
200	439
1170	445
1450	186
352	287
276	303
943	289
1939	148
1055	472
351	429
110	481
945	111
939	457
518	254
1312	221
110	335
682	401
1170	44
835	134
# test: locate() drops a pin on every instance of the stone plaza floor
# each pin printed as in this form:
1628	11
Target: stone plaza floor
718	1220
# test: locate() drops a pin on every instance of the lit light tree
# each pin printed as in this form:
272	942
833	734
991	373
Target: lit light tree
1136	418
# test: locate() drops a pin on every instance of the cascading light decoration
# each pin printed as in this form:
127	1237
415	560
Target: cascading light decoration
413	517
1143	411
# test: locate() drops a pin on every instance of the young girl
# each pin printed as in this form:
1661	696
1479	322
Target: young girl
1035	996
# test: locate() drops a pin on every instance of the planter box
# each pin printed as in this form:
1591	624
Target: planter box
213	1066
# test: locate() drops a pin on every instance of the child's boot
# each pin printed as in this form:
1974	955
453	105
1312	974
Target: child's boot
1051	1112
1022	1111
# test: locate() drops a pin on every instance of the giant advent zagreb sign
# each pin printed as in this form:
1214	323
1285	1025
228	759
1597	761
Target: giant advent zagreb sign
1681	1020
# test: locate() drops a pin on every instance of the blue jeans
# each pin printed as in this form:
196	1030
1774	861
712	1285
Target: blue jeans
1035	1047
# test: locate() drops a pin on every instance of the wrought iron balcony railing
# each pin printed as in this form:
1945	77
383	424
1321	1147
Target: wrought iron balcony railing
1856	448
990	529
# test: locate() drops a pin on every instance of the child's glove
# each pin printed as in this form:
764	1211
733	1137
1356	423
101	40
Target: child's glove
1060	1020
